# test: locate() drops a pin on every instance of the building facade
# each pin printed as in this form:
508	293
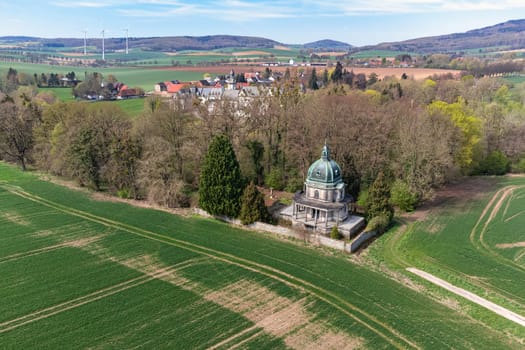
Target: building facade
323	203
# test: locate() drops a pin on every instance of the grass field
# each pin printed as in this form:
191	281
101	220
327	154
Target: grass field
82	273
145	78
476	240
62	94
133	107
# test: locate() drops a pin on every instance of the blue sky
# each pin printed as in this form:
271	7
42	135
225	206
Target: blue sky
357	22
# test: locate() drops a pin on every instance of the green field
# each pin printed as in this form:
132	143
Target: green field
145	78
476	242
133	107
78	273
62	94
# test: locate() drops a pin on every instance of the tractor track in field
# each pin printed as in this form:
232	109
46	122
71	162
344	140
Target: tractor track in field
74	243
14	257
370	322
85	299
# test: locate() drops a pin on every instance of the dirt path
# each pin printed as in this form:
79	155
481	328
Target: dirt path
509	315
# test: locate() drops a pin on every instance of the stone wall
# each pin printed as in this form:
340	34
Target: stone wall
349	247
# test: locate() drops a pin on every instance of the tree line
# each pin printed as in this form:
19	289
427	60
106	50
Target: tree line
414	135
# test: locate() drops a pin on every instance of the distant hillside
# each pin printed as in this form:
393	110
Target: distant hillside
328	44
173	43
510	35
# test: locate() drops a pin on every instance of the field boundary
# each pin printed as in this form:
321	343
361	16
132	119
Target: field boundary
506	313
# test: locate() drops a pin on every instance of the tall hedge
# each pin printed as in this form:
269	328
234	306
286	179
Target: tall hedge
221	182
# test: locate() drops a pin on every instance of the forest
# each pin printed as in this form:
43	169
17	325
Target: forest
417	135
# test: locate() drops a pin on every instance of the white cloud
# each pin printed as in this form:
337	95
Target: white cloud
89	4
359	7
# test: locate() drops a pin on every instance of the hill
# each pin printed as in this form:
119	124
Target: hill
510	35
328	44
171	43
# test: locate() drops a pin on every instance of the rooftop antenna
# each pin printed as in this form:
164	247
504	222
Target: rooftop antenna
103	49
85	40
127	47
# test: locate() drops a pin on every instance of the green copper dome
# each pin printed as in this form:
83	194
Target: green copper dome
324	171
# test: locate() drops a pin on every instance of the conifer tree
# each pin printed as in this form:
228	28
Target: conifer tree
379	199
221	182
253	208
312	83
337	75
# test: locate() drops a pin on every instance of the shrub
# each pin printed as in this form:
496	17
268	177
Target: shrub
124	193
253	208
496	163
520	167
378	223
275	179
334	234
402	197
294	184
362	199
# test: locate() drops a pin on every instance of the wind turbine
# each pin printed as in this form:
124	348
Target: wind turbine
126	30
85	35
103	49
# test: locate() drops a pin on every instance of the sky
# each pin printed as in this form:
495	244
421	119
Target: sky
356	22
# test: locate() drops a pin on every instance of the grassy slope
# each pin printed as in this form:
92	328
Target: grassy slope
352	299
457	242
133	107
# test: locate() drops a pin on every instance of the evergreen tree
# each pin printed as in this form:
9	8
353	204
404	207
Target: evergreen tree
337	75
312	83
221	183
253	208
325	77
378	203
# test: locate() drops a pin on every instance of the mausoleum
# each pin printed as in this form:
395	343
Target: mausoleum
323	203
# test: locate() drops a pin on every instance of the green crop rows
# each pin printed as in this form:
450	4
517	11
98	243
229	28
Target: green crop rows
83	273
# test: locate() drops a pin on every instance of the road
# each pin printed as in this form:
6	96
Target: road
514	317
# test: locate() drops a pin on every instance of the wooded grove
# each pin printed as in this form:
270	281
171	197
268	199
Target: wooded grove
419	134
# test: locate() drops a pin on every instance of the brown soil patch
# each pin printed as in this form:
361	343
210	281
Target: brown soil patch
331	53
457	194
151	266
415	73
15	218
82	242
281	47
280	317
510	245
